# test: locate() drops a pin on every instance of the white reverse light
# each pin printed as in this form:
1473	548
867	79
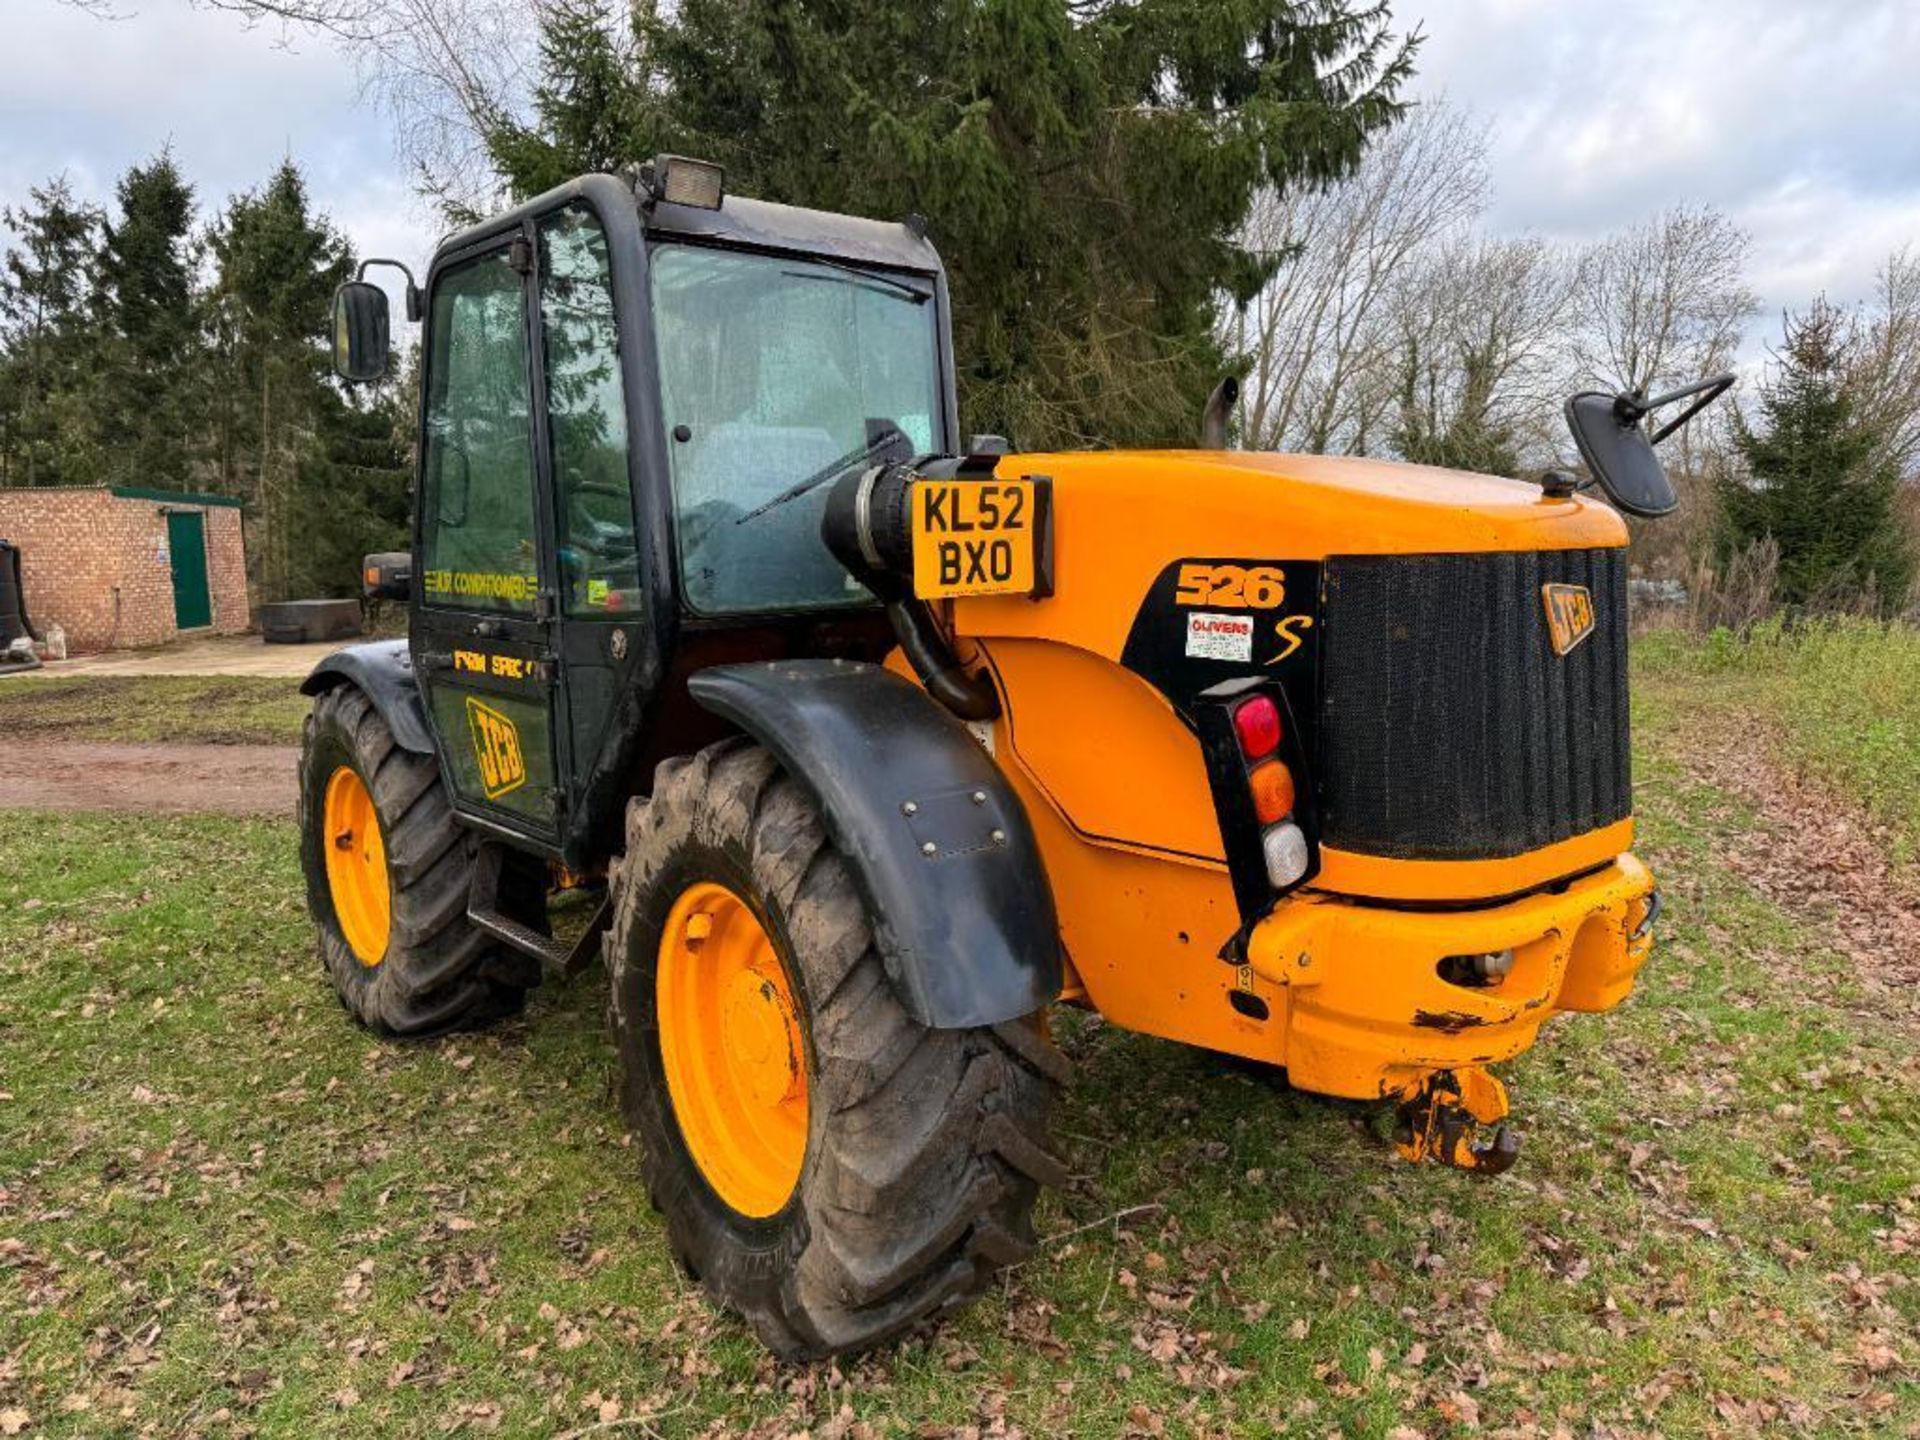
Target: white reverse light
1286	850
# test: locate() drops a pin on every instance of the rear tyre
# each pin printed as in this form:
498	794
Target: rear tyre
923	1149
387	875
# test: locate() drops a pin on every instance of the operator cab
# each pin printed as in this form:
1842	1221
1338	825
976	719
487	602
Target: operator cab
636	395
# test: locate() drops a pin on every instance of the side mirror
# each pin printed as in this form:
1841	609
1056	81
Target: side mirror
361	331
1620	454
362	339
387	576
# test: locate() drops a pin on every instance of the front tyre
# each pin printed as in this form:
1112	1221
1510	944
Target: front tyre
828	1167
388	871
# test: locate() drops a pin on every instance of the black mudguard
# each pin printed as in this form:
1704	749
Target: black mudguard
939	843
384	670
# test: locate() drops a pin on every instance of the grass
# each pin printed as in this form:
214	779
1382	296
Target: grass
226	709
1841	696
223	1210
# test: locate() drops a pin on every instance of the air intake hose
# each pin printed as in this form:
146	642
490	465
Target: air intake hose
867	525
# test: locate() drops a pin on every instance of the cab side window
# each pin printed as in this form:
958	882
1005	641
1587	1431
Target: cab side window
587	419
476	519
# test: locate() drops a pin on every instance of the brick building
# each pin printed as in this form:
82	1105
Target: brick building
119	566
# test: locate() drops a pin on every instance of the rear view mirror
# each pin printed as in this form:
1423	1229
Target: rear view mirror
1620	453
362	342
387	575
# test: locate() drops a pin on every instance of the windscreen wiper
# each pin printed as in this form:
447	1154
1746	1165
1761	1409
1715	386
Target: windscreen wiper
868	277
832	470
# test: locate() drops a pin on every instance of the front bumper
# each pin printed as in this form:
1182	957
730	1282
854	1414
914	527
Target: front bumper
1370	1018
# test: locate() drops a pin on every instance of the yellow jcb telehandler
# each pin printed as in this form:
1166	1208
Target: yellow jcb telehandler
881	741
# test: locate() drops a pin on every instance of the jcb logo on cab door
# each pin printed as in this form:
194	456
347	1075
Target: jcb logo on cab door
1231	587
1569	615
496	744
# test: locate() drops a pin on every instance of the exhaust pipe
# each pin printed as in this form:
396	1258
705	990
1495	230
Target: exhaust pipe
1213	419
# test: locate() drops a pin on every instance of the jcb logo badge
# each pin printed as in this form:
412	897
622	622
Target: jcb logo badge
496	744
1569	615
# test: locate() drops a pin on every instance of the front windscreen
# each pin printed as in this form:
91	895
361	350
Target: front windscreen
777	377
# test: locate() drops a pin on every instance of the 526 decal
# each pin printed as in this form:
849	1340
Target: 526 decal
1231	587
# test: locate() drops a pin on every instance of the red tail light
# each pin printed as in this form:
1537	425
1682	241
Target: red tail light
1257	724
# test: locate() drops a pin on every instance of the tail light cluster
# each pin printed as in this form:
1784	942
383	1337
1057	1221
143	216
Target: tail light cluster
1258	728
1256	766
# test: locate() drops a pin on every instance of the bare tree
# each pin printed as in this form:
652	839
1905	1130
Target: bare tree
1316	329
1883	367
1477	348
1661	303
447	71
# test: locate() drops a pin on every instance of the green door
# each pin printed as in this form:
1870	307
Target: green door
187	543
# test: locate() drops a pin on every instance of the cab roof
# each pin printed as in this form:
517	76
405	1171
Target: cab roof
761	224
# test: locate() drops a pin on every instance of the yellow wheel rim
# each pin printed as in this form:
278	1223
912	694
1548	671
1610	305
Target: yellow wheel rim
731	1045
357	866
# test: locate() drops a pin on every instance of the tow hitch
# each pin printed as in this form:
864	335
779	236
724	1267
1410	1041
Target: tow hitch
1444	1119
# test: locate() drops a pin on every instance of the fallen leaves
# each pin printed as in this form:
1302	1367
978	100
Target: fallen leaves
358	1282
1821	857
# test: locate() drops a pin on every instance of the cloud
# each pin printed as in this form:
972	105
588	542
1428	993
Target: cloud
1800	121
89	98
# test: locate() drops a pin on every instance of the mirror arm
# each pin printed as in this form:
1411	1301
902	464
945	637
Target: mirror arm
416	307
1630	407
1709	390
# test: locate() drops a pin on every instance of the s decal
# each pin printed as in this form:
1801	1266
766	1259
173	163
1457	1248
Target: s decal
1293	634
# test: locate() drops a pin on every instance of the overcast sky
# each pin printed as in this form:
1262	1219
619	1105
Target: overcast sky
1801	120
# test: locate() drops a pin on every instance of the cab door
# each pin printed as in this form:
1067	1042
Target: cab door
604	641
484	619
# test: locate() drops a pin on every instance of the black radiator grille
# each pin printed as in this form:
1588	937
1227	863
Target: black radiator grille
1449	728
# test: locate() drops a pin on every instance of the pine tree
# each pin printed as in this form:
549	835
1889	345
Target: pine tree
149	328
590	100
47	339
278	265
351	496
1812	481
1085	165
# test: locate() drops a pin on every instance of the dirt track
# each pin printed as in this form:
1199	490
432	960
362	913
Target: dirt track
152	779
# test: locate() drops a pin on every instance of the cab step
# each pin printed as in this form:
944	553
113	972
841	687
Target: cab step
557	957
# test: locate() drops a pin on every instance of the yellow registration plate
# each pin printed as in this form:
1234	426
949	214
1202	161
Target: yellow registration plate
975	537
